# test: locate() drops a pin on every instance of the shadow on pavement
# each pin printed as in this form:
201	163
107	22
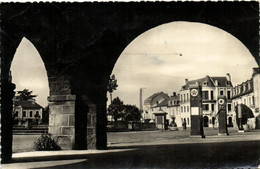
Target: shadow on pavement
200	155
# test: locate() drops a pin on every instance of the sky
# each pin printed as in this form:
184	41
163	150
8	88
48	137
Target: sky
28	72
158	60
162	58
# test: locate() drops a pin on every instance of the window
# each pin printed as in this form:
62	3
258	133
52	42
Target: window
205	83
159	120
249	101
31	113
188	108
211	95
188	121
221	92
229	107
16	114
228	95
181	97
205	107
212	107
188	97
184	108
205	95
181	109
24	113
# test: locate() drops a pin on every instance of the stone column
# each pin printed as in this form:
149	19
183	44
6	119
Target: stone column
7	94
62	119
91	122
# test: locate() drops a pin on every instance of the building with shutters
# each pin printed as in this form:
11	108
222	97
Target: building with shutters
24	110
212	87
247	93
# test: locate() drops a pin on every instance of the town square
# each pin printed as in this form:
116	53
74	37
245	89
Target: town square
130	85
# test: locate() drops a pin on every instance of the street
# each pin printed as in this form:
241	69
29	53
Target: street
149	149
24	143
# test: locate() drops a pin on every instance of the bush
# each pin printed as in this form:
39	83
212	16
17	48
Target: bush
45	143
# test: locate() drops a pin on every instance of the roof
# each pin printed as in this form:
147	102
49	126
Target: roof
155	97
163	103
25	104
177	97
222	82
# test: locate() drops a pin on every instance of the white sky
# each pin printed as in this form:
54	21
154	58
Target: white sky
29	72
152	61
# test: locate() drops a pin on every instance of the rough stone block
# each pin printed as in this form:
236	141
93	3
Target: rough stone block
67	131
55	130
61	120
65	142
89	120
56	109
91	131
71	120
68	109
93	120
91	142
51	120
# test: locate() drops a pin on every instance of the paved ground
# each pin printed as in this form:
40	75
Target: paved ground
166	150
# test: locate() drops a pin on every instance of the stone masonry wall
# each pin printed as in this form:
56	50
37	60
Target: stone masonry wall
62	119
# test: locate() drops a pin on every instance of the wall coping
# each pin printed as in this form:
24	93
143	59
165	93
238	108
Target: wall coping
57	98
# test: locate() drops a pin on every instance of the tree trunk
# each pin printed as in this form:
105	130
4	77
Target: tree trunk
111	97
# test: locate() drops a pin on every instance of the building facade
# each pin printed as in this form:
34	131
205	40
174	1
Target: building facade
24	110
247	93
153	104
212	87
178	108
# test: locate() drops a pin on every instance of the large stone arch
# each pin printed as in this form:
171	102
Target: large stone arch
80	43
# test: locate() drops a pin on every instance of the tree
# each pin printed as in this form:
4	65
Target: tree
116	108
112	85
131	113
25	94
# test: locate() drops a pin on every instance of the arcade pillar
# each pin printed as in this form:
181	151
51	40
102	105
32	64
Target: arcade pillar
62	119
222	115
7	95
196	110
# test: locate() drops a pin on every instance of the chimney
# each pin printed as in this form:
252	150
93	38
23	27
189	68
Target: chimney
228	77
256	70
186	81
174	93
216	82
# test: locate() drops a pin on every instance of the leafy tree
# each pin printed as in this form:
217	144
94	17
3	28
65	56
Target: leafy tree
112	85
116	108
131	113
25	94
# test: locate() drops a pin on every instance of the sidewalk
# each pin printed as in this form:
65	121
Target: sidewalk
235	150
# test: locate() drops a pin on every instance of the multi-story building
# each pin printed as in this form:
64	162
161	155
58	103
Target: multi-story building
25	109
173	108
247	93
153	104
212	87
178	105
256	84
